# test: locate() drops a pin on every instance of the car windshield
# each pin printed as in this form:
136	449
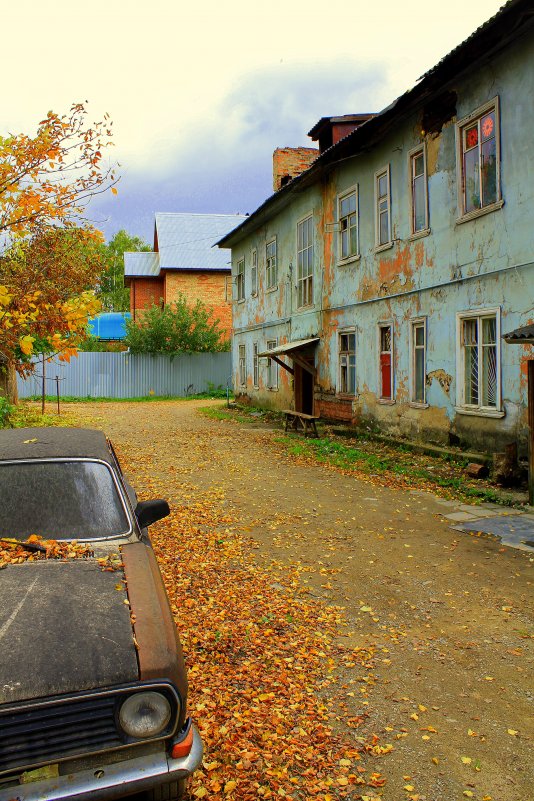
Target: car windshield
61	500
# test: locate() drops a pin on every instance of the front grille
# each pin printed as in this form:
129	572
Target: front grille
68	726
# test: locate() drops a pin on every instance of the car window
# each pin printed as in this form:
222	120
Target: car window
60	500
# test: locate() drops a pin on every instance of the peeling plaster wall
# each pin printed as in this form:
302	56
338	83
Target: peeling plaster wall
483	263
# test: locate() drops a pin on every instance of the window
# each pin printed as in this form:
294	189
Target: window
228	288
479	361
240	279
347	363
254	273
418	191
348	225
242	366
255	365
272	367
385	333
479	168
418	361
305	262
271	272
382	208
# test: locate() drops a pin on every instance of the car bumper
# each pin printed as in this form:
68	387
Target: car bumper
111	781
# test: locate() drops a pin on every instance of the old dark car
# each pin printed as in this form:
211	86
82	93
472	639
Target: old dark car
93	687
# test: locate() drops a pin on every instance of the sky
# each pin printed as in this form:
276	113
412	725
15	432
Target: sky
201	93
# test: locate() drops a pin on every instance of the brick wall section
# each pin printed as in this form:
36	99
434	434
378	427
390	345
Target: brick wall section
291	161
209	287
335	410
144	292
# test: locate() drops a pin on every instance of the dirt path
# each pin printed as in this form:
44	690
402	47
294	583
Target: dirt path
449	617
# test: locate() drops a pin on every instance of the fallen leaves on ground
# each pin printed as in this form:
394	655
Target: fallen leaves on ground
13	551
262	665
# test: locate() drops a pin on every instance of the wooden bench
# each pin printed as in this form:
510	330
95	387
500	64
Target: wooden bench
299	421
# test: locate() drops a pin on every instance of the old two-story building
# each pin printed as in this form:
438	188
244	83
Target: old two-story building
376	285
184	262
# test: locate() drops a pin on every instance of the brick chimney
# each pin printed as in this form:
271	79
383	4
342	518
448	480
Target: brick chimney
288	162
329	130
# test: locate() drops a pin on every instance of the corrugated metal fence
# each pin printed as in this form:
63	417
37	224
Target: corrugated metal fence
123	375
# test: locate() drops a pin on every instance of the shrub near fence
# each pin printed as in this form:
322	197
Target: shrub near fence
124	375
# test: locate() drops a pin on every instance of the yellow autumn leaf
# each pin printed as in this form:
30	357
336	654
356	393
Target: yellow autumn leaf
512	732
113	190
343	781
409	787
201	792
468	793
435	760
345	762
466	760
229	786
26	344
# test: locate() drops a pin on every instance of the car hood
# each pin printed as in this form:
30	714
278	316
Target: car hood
64	627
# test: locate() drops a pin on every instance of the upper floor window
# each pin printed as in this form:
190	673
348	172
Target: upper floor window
347	363
271	271
254	273
348	225
382	208
305	262
479	167
418	191
240	279
478	363
228	288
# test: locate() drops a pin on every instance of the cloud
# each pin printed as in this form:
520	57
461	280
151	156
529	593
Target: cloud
225	165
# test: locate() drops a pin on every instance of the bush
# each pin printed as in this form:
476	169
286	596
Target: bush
6	409
176	328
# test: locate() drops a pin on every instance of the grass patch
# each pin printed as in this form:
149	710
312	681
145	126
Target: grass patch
26	416
140	399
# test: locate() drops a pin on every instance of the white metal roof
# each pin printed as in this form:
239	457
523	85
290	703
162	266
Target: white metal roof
136	264
289	347
185	241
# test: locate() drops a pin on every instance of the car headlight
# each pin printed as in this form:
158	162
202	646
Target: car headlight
144	714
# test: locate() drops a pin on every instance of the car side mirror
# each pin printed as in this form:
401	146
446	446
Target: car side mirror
148	512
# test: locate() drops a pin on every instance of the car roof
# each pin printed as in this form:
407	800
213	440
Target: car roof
53	443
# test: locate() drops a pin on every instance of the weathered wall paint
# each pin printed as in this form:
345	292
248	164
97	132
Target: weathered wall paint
483	263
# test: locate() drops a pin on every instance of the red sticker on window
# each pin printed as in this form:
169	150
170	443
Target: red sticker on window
471	137
487	126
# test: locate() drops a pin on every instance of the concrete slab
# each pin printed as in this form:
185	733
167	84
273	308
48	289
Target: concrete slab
514	530
460	517
478	511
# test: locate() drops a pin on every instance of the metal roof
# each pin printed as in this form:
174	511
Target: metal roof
510	22
185	241
520	336
138	264
289	347
53	443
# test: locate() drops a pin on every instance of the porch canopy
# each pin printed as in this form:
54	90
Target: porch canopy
291	349
520	336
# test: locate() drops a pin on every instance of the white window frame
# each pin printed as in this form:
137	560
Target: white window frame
378	174
255	366
413	154
353	190
341	354
254	273
271	265
461	406
479	112
304	283
272	367
386	324
242	365
240	280
414	323
228	288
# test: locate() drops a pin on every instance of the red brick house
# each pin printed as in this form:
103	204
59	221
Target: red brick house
184	261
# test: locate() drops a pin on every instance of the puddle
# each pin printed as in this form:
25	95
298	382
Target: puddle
514	530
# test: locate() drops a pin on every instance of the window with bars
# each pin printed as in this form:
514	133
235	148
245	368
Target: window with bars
382	208
385	334
271	270
419	191
305	262
255	365
348	225
480	362
254	273
418	362
347	363
242	366
478	139
272	367
240	280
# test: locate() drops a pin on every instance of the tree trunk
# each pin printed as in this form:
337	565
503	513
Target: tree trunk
8	381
